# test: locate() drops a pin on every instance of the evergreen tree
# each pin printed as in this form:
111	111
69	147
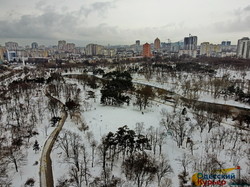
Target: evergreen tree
113	92
36	146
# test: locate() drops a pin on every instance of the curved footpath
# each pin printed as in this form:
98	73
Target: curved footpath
45	173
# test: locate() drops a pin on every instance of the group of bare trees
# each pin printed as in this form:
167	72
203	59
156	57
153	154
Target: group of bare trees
216	139
21	110
127	149
76	155
192	79
24	107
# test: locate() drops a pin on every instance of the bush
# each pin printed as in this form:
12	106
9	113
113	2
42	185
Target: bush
30	182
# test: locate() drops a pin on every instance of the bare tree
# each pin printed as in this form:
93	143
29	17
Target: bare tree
89	135
74	140
77	175
86	173
222	134
15	156
4	165
211	120
201	120
139	128
141	168
93	145
163	169
64	143
184	161
103	148
177	125
161	139
166	182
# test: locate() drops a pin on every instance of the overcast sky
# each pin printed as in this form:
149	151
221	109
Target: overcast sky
122	21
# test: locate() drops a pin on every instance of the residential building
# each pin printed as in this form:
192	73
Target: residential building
34	45
226	43
70	47
94	49
11	55
190	53
109	52
62	45
146	52
210	50
227	49
243	48
11	46
176	46
190	43
157	44
190	46
2	53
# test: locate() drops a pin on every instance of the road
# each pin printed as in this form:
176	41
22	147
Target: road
45	173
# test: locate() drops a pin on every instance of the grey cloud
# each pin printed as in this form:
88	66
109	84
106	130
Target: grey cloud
47	25
98	7
247	8
102	6
242	11
239	24
55	26
69	26
52	26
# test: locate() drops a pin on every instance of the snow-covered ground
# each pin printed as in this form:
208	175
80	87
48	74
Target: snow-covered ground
103	119
203	96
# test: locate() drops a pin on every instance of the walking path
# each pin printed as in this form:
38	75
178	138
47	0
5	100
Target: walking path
46	174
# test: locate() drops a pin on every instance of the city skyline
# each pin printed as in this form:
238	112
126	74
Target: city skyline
122	21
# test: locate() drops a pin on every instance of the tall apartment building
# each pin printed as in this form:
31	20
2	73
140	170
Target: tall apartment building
1	53
137	47
243	48
62	45
11	46
190	43
94	49
34	45
210	50
146	52
226	43
70	47
157	44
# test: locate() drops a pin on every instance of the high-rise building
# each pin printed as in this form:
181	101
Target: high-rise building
34	45
11	45
1	53
11	55
62	45
94	49
146	50
226	43
176	46
190	43
210	50
70	47
137	43
243	48
157	44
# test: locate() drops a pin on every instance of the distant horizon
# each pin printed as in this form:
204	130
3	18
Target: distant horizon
22	43
121	22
